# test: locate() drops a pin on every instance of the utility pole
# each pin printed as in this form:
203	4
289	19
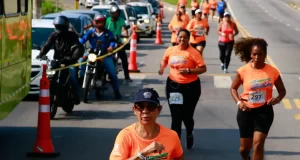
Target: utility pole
37	9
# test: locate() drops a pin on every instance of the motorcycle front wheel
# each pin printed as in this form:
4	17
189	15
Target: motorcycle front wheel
69	105
87	87
53	107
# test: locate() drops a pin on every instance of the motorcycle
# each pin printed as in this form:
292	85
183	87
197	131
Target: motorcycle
94	77
61	90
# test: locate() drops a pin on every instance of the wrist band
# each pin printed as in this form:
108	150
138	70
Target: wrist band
238	103
141	156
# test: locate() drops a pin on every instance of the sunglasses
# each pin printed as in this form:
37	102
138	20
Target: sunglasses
150	107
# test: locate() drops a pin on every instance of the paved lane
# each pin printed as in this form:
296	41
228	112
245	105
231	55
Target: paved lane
89	132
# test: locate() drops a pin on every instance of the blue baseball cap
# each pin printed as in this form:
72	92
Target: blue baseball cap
147	95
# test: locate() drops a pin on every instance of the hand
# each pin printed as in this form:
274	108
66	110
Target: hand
110	49
223	34
244	107
154	147
273	101
184	71
161	72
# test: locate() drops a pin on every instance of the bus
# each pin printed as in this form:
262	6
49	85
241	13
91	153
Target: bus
15	53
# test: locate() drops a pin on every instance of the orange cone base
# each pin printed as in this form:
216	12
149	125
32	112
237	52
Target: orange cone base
134	71
159	43
43	155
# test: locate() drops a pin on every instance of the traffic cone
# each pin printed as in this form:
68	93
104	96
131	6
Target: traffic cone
43	146
162	12
132	67
158	31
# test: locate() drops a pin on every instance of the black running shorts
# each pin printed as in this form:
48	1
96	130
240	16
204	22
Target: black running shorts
258	119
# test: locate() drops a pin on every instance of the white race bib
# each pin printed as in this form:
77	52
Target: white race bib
176	98
200	31
257	97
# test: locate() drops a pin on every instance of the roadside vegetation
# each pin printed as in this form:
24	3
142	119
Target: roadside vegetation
49	6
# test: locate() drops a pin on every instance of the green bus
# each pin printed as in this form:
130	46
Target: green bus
15	53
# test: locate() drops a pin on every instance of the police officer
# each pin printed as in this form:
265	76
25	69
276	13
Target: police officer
114	23
107	44
67	49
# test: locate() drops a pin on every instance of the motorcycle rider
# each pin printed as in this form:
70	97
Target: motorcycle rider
114	23
67	49
107	39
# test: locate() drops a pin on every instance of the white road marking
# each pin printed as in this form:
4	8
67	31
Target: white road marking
275	17
137	79
288	25
170	9
297	29
280	20
270	14
222	81
266	11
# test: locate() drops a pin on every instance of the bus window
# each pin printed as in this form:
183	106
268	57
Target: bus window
11	8
24	6
1	8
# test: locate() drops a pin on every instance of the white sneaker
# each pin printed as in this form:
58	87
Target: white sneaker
225	70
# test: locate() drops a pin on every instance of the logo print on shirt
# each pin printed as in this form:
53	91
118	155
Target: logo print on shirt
175	60
260	83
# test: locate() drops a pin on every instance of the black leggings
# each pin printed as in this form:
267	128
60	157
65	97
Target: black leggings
123	56
183	112
225	52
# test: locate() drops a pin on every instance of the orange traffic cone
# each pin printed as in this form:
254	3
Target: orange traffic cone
132	67
158	31
43	146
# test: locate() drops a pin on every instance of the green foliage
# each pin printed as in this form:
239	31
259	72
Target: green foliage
49	7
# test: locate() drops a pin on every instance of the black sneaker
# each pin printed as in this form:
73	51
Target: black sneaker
189	142
117	95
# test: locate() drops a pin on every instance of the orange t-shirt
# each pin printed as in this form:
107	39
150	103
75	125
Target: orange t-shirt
184	17
128	143
257	84
175	24
213	4
177	59
194	5
199	35
205	8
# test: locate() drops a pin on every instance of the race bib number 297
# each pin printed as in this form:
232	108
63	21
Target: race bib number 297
176	98
257	97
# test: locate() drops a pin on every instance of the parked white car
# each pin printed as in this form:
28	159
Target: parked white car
146	19
89	3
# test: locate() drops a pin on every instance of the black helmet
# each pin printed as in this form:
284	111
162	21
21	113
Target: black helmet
61	23
114	8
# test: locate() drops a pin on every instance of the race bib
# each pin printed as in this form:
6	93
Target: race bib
200	31
193	8
176	98
257	97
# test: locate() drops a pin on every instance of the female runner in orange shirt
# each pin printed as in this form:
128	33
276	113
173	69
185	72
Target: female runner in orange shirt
146	137
183	87
175	25
255	105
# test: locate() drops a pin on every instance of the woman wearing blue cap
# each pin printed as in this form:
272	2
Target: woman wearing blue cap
147	139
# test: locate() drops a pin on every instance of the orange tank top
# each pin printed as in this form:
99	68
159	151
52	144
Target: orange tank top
228	33
258	84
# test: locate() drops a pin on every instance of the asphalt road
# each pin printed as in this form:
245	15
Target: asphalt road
89	132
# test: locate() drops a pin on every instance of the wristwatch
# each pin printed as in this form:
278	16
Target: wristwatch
141	156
